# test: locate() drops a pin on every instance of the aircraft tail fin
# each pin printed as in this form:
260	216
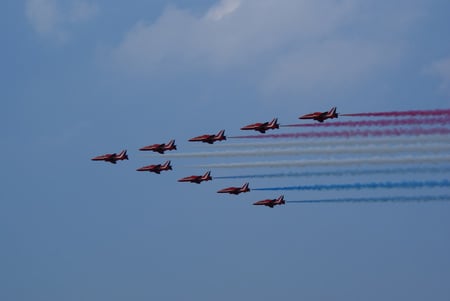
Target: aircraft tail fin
123	155
245	187
207	175
167	165
221	135
274	123
332	113
281	200
171	144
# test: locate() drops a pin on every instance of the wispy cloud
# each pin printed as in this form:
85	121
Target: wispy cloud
225	7
45	17
81	11
330	63
290	45
441	68
50	19
252	29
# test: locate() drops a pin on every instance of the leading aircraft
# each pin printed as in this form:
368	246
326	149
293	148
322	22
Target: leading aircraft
321	116
210	138
235	190
271	202
197	179
262	127
160	148
157	168
112	158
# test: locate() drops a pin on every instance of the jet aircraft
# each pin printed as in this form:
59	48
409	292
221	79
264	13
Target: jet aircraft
262	127
197	179
157	168
235	190
321	116
271	202
160	148
210	138
112	158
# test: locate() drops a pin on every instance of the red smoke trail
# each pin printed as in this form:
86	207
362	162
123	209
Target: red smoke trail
382	122
357	133
402	113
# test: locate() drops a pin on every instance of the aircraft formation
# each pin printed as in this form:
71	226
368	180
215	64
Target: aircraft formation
438	117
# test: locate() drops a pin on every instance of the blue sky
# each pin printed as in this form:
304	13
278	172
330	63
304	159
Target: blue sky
83	78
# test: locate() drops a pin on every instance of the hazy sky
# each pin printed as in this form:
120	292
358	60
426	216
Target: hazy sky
82	78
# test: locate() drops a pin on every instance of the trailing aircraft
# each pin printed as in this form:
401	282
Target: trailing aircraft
112	158
197	179
271	202
235	190
321	116
262	127
157	168
210	138
160	148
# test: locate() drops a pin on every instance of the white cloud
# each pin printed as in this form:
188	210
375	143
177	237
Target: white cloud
331	64
82	11
48	18
225	7
441	68
45	17
282	42
253	28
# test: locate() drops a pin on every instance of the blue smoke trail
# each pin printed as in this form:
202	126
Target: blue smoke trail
335	173
394	199
383	185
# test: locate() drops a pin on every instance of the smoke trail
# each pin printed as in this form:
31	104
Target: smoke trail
402	113
348	172
334	162
337	142
398	199
383	122
356	133
374	185
389	149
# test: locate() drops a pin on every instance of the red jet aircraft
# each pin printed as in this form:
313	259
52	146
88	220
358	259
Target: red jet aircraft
271	202
160	148
197	179
262	127
321	116
210	138
235	190
156	168
112	158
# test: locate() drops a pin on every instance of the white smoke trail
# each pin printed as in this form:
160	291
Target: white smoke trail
345	172
333	162
342	141
373	150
